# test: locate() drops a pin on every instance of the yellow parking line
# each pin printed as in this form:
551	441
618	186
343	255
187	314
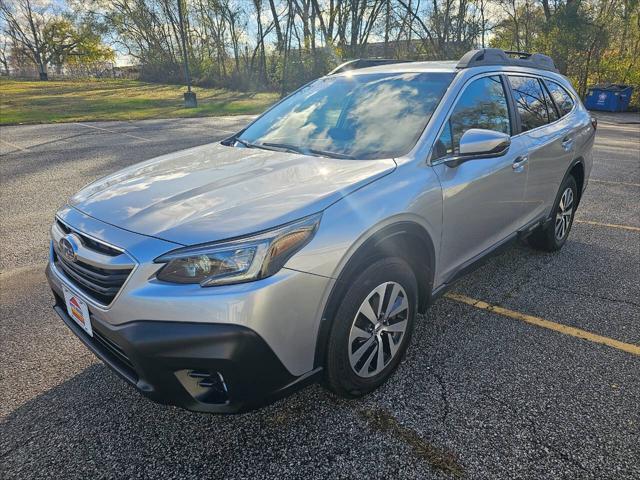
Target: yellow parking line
609	182
24	149
541	322
610	225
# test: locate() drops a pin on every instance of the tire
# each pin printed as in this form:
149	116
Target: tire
553	235
352	368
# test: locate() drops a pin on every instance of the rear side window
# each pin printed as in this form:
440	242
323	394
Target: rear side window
527	92
562	99
551	109
483	104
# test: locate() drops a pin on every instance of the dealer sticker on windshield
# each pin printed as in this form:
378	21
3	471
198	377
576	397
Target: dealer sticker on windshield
78	310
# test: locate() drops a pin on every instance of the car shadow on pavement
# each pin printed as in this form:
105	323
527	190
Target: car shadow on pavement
94	417
95	425
82	421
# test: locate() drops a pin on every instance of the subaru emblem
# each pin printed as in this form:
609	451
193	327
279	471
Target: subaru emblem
69	247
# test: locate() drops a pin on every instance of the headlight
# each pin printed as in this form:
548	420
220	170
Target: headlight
240	260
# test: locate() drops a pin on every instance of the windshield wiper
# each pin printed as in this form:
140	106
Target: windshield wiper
246	144
295	149
326	153
283	147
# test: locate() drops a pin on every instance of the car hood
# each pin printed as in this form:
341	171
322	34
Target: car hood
214	192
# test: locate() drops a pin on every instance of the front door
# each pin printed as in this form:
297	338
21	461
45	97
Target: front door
482	198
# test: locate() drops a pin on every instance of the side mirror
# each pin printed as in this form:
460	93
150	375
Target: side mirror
480	143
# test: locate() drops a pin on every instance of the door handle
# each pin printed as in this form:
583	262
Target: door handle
567	143
519	163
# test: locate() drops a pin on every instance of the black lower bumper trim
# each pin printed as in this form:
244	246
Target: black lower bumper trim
152	355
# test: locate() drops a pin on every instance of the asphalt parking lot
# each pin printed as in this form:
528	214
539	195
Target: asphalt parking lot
484	392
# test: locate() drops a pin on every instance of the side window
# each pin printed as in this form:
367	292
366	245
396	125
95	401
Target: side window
551	108
530	102
562	99
483	104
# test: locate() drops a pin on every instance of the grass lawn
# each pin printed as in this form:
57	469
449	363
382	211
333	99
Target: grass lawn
69	101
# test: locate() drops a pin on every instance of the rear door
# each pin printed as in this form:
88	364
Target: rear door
550	140
482	198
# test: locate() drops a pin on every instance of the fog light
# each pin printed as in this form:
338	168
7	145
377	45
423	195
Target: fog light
204	386
209	380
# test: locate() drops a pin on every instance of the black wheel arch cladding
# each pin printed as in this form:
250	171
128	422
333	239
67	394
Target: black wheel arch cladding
340	376
406	240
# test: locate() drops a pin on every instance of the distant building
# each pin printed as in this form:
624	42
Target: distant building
125	71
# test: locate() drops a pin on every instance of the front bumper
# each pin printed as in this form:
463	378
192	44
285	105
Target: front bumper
204	367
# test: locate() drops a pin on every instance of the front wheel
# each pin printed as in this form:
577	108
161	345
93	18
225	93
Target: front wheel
372	328
553	235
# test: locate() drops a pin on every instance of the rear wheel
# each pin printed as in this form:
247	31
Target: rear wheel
553	235
372	328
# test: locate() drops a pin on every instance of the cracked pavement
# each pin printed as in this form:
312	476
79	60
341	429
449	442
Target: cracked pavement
478	395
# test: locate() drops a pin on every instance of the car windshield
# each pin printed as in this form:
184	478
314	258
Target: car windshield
363	116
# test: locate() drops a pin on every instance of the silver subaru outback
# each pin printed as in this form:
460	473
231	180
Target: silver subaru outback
303	247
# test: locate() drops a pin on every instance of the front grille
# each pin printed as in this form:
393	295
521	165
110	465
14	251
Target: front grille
99	283
99	270
90	242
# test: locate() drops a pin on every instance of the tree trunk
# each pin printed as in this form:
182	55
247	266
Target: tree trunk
387	22
547	10
276	23
42	71
37	48
355	24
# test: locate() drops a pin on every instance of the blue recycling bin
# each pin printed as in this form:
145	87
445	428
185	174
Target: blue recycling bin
610	98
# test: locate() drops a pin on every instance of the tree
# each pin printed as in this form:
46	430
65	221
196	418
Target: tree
5	49
280	44
91	55
590	41
46	36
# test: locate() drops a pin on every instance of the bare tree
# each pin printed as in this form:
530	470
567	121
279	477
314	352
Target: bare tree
43	34
5	52
25	26
281	44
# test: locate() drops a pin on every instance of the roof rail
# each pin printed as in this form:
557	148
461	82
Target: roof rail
495	56
363	63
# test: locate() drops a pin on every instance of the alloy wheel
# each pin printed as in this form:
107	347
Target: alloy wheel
378	329
564	214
